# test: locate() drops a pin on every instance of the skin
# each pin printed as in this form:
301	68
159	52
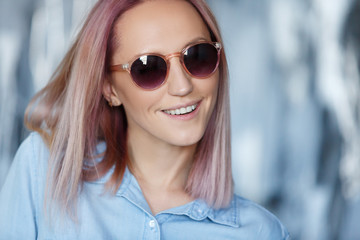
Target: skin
161	148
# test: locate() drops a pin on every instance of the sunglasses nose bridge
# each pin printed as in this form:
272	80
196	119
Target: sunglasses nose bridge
172	55
179	85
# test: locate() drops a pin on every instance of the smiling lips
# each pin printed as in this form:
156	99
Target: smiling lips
182	111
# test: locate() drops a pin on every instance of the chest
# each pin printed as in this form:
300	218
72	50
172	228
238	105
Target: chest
120	218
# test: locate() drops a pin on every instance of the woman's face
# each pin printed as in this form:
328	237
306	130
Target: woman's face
163	27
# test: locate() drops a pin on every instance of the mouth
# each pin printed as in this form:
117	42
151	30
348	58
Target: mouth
182	110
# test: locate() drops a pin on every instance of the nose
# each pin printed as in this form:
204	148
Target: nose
179	82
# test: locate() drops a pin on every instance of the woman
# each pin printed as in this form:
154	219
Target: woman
133	135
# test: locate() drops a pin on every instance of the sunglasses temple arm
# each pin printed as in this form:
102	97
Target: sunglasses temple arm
121	68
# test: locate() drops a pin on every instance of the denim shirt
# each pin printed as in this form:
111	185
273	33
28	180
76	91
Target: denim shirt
125	215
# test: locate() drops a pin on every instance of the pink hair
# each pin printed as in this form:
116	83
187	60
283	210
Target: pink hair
72	115
211	177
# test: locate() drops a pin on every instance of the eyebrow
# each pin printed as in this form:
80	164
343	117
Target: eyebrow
194	40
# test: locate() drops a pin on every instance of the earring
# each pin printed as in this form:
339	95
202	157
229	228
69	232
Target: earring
110	103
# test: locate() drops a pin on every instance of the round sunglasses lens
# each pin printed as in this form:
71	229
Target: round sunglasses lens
201	60
149	72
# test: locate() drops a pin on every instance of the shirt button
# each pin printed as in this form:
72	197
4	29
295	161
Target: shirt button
152	223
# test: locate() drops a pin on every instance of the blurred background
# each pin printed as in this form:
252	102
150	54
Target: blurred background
295	99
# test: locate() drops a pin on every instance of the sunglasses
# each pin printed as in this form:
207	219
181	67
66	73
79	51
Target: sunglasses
149	72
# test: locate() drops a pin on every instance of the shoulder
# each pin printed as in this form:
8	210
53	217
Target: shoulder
249	220
33	145
34	148
22	193
32	157
35	141
257	219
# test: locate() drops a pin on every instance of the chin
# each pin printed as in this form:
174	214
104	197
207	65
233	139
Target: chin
186	140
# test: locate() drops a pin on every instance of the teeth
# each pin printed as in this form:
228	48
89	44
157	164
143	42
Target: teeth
181	111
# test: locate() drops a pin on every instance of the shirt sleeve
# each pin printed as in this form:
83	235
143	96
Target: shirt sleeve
18	196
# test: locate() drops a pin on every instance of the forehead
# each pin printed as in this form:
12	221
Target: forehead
162	26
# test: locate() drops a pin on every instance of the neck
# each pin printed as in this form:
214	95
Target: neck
159	165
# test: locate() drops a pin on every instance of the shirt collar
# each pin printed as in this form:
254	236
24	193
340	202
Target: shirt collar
131	190
197	210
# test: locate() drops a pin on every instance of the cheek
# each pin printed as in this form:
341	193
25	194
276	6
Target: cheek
134	99
210	87
215	84
213	89
214	99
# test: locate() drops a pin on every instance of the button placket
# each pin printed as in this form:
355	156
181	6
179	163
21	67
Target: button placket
152	228
152	224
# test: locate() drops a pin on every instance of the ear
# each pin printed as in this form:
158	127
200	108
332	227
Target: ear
110	94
